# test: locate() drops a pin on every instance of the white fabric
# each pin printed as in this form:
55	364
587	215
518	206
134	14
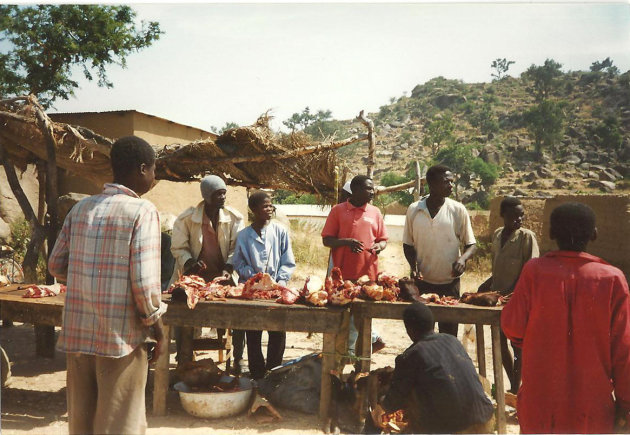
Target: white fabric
437	240
187	237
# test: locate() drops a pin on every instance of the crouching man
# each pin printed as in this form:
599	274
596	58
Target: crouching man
435	382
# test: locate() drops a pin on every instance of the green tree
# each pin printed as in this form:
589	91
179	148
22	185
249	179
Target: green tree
545	123
608	134
302	120
606	64
402	196
438	132
486	171
220	130
501	67
43	43
485	120
544	78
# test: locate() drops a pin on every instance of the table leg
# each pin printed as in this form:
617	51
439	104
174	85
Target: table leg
328	364
497	364
160	378
481	349
185	353
364	351
45	341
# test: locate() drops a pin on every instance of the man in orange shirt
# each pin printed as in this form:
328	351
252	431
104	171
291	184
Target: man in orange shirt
355	231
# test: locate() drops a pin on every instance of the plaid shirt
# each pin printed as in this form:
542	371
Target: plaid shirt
108	252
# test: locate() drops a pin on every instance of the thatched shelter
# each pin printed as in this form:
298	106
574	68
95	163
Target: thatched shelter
252	156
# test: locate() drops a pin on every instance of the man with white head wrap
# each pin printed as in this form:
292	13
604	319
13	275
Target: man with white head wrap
204	236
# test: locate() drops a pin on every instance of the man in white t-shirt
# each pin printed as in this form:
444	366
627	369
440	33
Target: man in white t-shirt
435	229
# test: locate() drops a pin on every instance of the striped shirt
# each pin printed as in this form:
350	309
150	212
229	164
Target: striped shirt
447	387
108	252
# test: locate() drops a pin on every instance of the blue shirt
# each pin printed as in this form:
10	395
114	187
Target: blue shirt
270	252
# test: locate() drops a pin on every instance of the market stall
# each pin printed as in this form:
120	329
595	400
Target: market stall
254	315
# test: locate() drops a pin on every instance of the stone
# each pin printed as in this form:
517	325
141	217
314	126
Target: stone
606	176
396	124
536	184
585	166
572	159
561	183
396	155
545	172
519	192
605	186
384	153
591	174
490	154
403	146
531	176
66	202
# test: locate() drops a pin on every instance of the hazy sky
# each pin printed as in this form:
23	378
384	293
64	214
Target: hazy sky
231	62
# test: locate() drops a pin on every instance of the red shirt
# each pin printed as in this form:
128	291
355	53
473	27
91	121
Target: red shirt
363	223
571	313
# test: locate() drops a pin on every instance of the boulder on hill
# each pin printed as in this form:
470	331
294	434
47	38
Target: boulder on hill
545	172
572	159
605	186
490	154
561	183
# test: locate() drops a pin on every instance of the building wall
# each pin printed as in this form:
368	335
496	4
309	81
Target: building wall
109	124
158	131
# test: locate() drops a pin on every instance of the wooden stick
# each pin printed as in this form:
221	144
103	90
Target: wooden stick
268	156
370	137
396	188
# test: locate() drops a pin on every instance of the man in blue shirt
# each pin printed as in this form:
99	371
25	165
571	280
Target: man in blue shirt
264	246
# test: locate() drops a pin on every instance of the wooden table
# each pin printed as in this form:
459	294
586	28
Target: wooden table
254	315
45	313
365	311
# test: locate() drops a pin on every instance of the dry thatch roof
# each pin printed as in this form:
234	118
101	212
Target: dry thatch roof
251	156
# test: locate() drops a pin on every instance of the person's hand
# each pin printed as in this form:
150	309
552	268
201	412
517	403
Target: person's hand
377	416
194	267
459	267
162	342
376	248
355	245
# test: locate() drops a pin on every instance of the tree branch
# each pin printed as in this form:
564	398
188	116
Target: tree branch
370	137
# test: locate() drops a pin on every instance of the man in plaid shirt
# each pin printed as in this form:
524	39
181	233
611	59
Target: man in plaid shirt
108	252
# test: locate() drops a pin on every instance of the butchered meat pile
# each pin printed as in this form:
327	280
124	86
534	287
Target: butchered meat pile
334	290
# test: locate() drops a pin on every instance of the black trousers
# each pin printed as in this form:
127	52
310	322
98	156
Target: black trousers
275	352
238	344
450	289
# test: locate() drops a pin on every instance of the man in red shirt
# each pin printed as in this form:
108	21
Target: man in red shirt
570	312
355	231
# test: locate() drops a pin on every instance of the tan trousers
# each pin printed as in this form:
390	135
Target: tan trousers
106	395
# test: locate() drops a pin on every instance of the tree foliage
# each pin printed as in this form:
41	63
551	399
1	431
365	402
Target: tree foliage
606	64
43	43
402	196
438	132
543	78
220	130
300	121
608	135
501	67
461	160
485	120
545	123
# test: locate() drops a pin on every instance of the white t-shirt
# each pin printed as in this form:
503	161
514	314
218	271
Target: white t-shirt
437	240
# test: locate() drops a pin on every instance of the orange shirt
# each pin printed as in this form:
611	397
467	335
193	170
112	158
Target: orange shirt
363	223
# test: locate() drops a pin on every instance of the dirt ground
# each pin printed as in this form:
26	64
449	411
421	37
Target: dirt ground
34	401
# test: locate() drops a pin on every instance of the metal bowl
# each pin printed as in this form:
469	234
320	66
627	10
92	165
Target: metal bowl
215	405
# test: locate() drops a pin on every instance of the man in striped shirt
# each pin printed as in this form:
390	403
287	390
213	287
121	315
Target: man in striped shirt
108	252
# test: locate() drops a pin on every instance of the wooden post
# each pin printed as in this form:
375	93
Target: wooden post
497	364
481	349
328	364
160	378
419	185
45	335
370	126
364	351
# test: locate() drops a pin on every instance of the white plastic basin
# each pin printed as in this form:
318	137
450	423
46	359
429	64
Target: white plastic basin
215	405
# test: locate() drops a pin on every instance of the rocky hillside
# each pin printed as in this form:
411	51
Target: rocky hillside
590	153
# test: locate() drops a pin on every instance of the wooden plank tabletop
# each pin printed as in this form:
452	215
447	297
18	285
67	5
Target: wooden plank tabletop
256	314
41	311
461	313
